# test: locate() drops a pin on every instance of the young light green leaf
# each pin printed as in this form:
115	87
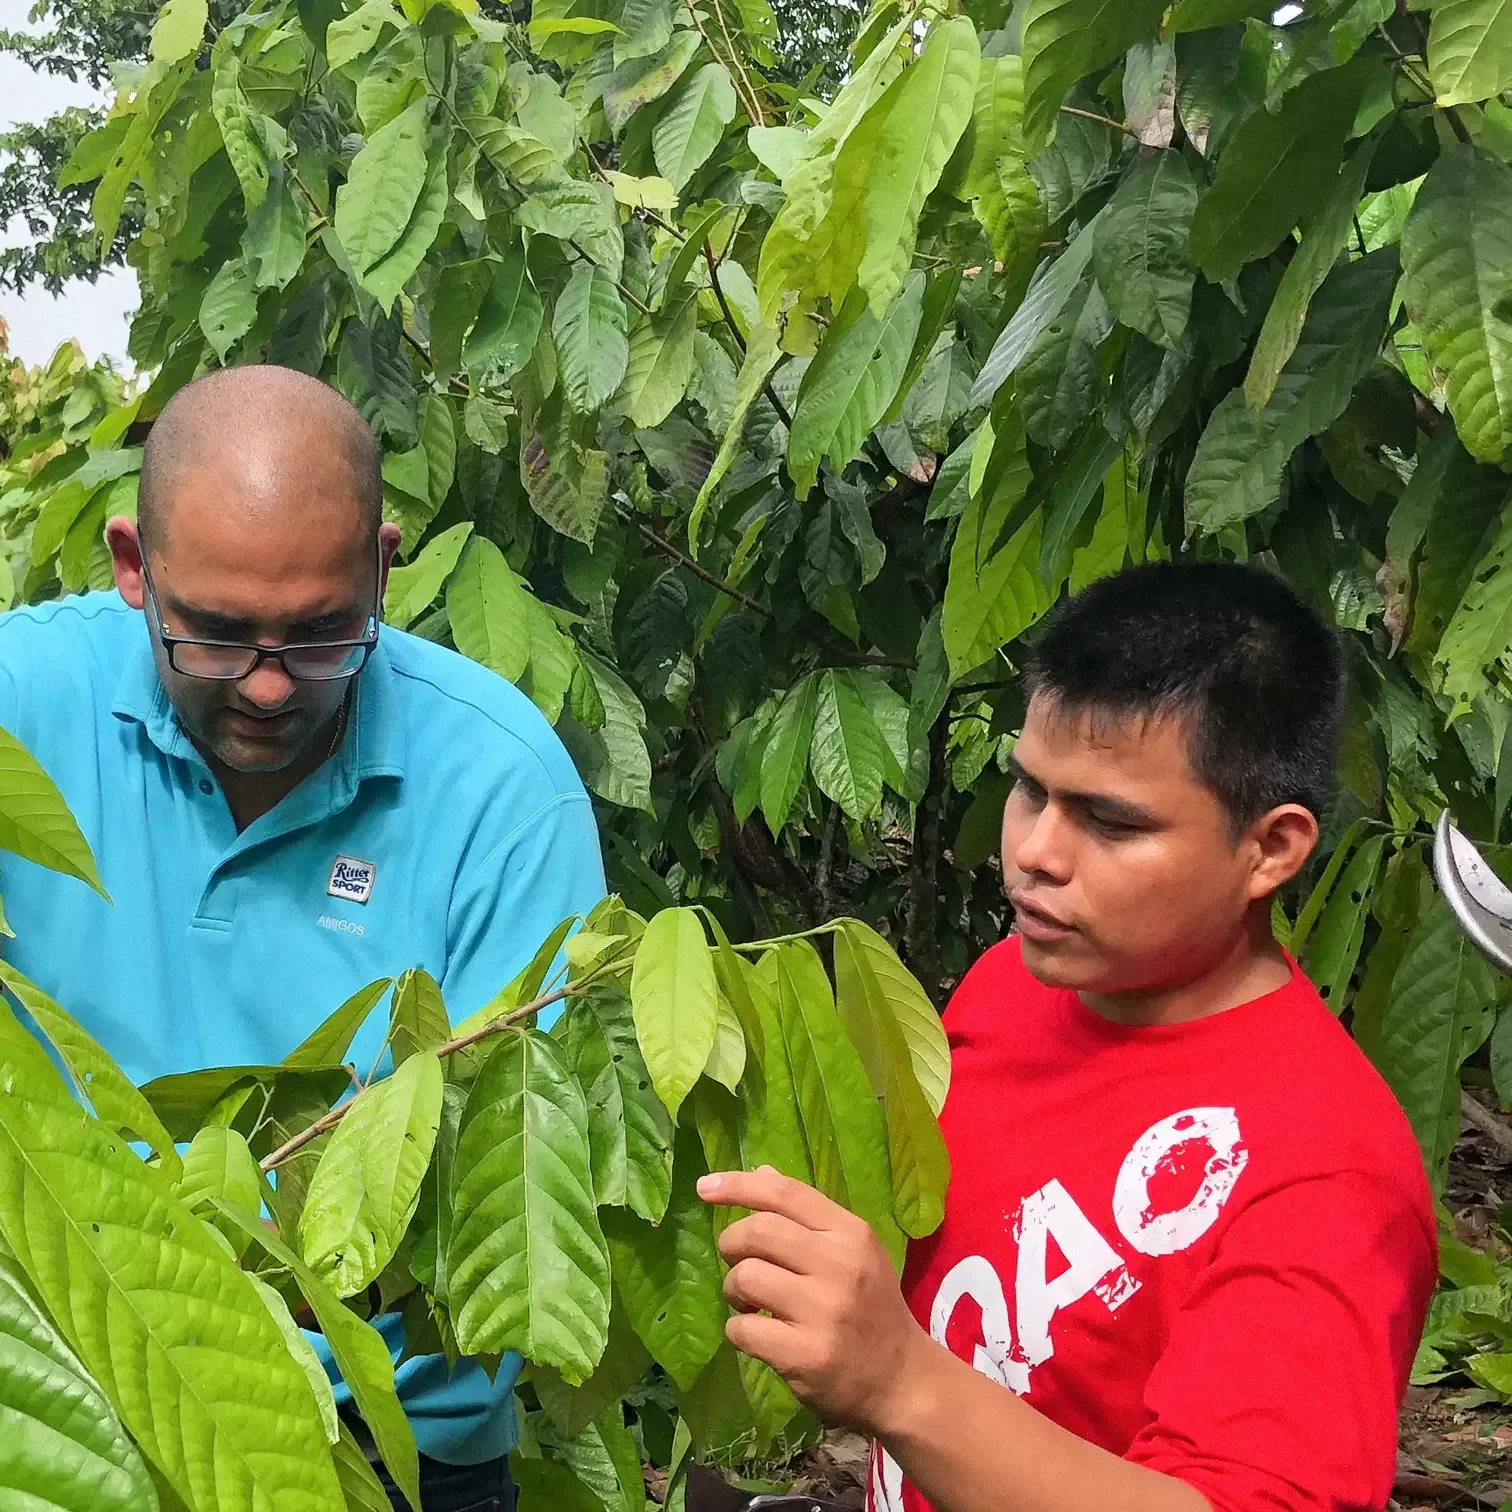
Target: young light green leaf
624	1363
65	1448
229	307
328	1043
692	123
588	330
1004	198
786	756
386	278
382	189
412	588
1469	50
234	117
98	1079
179	30
218	1164
629	1132
418	1019
35	822
527	1265
933	106
727	1060
1140	250
367	1184
1309	266
1478	637
155	1309
675	1000
668	1276
1456	257
355	34
847	753
273	245
304	1356
485	604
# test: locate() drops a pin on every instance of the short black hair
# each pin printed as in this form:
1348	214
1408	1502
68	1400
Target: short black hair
222	407
1234	651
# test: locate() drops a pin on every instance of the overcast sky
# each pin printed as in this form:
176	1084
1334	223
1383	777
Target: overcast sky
96	314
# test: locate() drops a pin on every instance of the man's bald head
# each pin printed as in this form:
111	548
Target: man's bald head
255	419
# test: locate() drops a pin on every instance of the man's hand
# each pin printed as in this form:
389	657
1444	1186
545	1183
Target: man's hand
839	1332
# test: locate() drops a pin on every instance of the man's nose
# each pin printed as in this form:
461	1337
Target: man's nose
1042	847
268	685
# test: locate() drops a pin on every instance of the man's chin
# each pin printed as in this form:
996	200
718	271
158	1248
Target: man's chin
1065	963
255	756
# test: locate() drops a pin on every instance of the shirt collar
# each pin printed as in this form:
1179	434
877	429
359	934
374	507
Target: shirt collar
374	746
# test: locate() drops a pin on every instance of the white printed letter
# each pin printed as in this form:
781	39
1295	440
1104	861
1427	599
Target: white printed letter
1154	1233
974	1277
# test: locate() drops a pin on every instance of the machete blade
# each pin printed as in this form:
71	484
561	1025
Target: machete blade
1478	898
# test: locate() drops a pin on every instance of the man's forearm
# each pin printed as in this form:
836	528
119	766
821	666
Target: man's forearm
971	1445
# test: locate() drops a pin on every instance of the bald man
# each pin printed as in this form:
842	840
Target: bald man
285	801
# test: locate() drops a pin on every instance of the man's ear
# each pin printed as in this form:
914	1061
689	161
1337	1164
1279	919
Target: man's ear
389	536
1283	839
126	560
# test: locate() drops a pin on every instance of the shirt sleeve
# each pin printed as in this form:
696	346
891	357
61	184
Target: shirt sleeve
1279	1387
547	869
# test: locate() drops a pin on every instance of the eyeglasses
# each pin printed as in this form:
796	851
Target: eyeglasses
231	661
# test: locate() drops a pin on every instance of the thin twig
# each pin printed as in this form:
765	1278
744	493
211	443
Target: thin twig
748	105
1101	120
729	317
682	558
625	293
753	104
329	1120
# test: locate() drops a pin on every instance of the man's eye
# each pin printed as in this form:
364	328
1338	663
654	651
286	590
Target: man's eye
1029	792
1115	829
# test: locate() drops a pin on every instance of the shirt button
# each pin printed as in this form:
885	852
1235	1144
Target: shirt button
206	786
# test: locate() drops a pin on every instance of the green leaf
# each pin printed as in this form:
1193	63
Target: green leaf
1275	170
35	823
1004	197
367	1185
485	604
273	245
373	371
573	211
847	752
1479	636
676	1002
934	104
361	1356
692	123
1456	279
786	756
624	1363
355	34
65	1448
588	329
1046	298
1065	40
1340	931
229	307
508	323
545	1486
660	365
218	1164
638	81
328	1043
527	1265
179	31
625	774
155	1309
1439	1011
234	117
392	81
386	278
916	1149
1140	250
1061	380
842	1122
1236	471
1309	266
727	1060
418	1019
412	589
360	1487
1469	50
668	1276
98	1080
303	1355
629	1132
850	384
186	1100
382	189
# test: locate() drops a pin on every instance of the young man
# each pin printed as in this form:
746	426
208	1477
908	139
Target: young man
1188	1244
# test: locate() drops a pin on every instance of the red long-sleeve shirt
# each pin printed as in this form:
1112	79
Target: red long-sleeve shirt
1206	1247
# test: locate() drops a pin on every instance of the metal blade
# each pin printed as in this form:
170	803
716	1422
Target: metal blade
1478	898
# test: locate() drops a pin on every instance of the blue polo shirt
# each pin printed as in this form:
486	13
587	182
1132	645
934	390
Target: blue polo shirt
453	808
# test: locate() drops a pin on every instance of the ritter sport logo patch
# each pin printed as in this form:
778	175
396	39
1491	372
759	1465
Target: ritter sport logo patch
351	879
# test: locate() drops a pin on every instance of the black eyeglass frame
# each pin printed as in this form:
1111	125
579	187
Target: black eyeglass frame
366	643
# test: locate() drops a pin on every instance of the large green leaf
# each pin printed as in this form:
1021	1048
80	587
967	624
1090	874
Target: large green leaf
668	1275
527	1266
412	588
1479	636
418	1019
485	604
328	1043
1140	250
178	30
1470	50
848	751
386	278
934	104
382	189
1439	1011
624	1362
155	1309
1340	930
676	1002
355	34
638	81
303	1354
1061	379
1275	170
850	384
273	245
184	1101
588	329
218	1166
508	322
65	1449
1237	470
546	1486
96	1076
1065	40
629	1132
842	1121
234	117
1309	266
785	757
691	124
366	1187
229	307
660	364
1456	282
575	212
34	819
1004	197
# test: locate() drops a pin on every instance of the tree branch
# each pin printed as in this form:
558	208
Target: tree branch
683	559
1101	120
1487	1123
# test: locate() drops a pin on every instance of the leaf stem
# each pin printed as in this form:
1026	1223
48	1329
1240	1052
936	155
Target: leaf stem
683	559
624	292
729	317
1101	120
